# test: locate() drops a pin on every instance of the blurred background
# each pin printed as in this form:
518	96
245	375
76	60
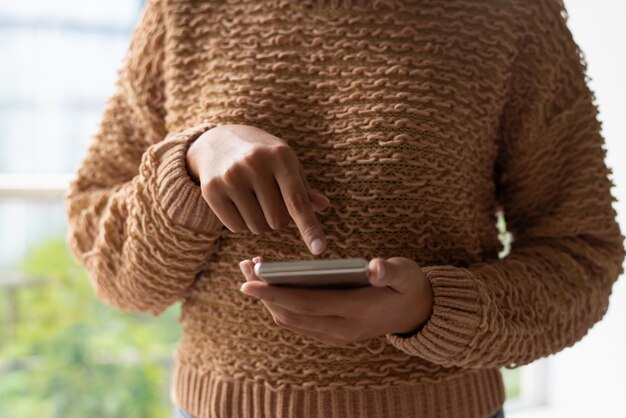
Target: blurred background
65	354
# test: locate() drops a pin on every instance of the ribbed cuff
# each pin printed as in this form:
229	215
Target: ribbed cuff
177	193
456	315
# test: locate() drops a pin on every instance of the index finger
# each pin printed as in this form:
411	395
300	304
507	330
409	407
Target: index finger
296	197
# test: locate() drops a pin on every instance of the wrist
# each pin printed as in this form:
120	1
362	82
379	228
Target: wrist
423	307
192	175
191	161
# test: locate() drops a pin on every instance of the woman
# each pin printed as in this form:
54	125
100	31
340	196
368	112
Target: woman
392	130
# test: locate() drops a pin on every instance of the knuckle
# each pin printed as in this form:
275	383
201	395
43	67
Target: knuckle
233	174
210	188
282	152
297	202
255	157
280	221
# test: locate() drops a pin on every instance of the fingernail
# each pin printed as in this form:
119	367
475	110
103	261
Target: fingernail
381	271
246	270
317	246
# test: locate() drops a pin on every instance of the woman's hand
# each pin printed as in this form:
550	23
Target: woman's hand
399	301
253	180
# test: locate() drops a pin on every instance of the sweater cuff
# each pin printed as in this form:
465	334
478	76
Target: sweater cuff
179	196
456	316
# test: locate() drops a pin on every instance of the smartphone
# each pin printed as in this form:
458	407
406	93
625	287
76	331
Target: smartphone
336	274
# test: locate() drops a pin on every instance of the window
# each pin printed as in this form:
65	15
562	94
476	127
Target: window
62	352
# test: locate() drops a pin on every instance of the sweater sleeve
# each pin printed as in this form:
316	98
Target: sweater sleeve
137	222
553	186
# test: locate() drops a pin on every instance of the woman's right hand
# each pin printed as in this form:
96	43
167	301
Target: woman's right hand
252	179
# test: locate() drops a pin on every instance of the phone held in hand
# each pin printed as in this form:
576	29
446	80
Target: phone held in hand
337	274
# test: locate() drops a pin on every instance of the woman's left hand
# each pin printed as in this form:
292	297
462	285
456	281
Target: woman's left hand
399	301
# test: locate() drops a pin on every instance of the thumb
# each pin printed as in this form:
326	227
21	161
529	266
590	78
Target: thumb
389	272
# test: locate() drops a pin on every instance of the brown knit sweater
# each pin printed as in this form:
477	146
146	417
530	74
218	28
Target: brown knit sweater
419	120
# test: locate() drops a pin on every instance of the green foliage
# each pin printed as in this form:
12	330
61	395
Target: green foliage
512	382
73	356
505	237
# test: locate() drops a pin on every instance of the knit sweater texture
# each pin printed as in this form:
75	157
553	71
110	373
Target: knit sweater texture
419	120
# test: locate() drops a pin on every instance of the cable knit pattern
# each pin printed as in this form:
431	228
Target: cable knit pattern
420	120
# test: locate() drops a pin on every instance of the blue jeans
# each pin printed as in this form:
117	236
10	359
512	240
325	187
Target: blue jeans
499	414
179	413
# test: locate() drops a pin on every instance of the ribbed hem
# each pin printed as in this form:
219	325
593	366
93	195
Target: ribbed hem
455	320
478	393
177	193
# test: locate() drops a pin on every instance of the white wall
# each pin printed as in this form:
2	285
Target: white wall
589	379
